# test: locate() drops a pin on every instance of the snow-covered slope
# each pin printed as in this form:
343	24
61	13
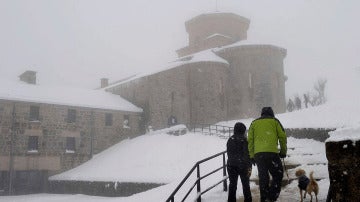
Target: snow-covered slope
157	158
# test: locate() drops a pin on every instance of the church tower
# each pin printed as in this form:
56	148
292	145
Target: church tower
213	30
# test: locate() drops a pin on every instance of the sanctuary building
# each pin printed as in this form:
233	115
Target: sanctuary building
218	76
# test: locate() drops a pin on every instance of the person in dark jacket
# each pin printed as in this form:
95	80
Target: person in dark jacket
264	135
238	163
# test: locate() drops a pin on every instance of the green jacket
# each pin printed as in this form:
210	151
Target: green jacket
264	134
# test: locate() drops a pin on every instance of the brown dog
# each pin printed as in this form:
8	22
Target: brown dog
306	184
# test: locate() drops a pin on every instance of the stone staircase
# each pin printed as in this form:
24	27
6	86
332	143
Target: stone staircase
293	162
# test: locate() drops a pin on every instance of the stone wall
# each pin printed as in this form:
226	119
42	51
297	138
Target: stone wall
25	182
193	93
256	79
159	95
169	92
319	134
344	170
208	101
110	189
52	131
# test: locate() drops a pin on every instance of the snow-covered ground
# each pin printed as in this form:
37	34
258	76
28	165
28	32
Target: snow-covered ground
162	158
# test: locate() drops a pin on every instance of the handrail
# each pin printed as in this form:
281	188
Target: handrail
222	131
199	178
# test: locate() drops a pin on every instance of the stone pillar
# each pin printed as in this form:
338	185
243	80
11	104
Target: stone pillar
344	170
104	82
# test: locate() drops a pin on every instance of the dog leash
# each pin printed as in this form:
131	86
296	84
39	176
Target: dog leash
286	170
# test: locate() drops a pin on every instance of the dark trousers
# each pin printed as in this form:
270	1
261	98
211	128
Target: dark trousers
269	163
234	173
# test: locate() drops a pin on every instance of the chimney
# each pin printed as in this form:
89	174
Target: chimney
104	82
28	77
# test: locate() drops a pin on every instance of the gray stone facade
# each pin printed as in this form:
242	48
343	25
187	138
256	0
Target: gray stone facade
188	92
256	79
208	91
52	143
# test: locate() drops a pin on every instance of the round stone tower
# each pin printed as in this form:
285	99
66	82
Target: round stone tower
212	30
256	71
256	79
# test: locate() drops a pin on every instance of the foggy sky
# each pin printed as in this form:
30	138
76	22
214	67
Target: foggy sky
80	41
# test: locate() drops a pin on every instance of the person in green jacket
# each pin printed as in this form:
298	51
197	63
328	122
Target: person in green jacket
263	137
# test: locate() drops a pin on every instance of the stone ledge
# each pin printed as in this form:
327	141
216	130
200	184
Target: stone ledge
96	188
319	134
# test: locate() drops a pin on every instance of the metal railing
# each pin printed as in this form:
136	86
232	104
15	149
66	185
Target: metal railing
208	129
197	182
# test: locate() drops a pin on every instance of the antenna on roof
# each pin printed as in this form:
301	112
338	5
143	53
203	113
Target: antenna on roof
216	8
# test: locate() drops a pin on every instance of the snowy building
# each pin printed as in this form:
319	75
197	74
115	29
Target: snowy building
46	129
218	76
343	155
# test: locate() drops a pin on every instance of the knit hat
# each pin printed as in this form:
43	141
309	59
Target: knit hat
239	128
267	111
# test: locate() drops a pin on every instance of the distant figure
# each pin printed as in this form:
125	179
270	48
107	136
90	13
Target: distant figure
149	129
297	103
306	100
172	121
263	137
290	106
238	163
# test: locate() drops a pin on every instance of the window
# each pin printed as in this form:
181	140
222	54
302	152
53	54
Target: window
126	123
34	113
172	97
250	80
108	119
70	144
71	118
33	143
221	86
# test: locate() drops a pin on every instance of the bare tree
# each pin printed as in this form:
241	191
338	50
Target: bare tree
319	98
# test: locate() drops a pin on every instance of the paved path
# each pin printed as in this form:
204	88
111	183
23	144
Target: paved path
299	155
284	197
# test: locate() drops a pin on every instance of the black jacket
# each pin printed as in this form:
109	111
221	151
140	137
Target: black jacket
303	182
237	151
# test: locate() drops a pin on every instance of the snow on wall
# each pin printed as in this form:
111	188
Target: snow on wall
348	133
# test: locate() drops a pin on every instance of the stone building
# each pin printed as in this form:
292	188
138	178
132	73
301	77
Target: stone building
343	155
46	130
218	76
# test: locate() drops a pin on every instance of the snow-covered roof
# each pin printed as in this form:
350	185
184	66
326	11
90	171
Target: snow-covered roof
69	96
248	44
202	56
349	133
